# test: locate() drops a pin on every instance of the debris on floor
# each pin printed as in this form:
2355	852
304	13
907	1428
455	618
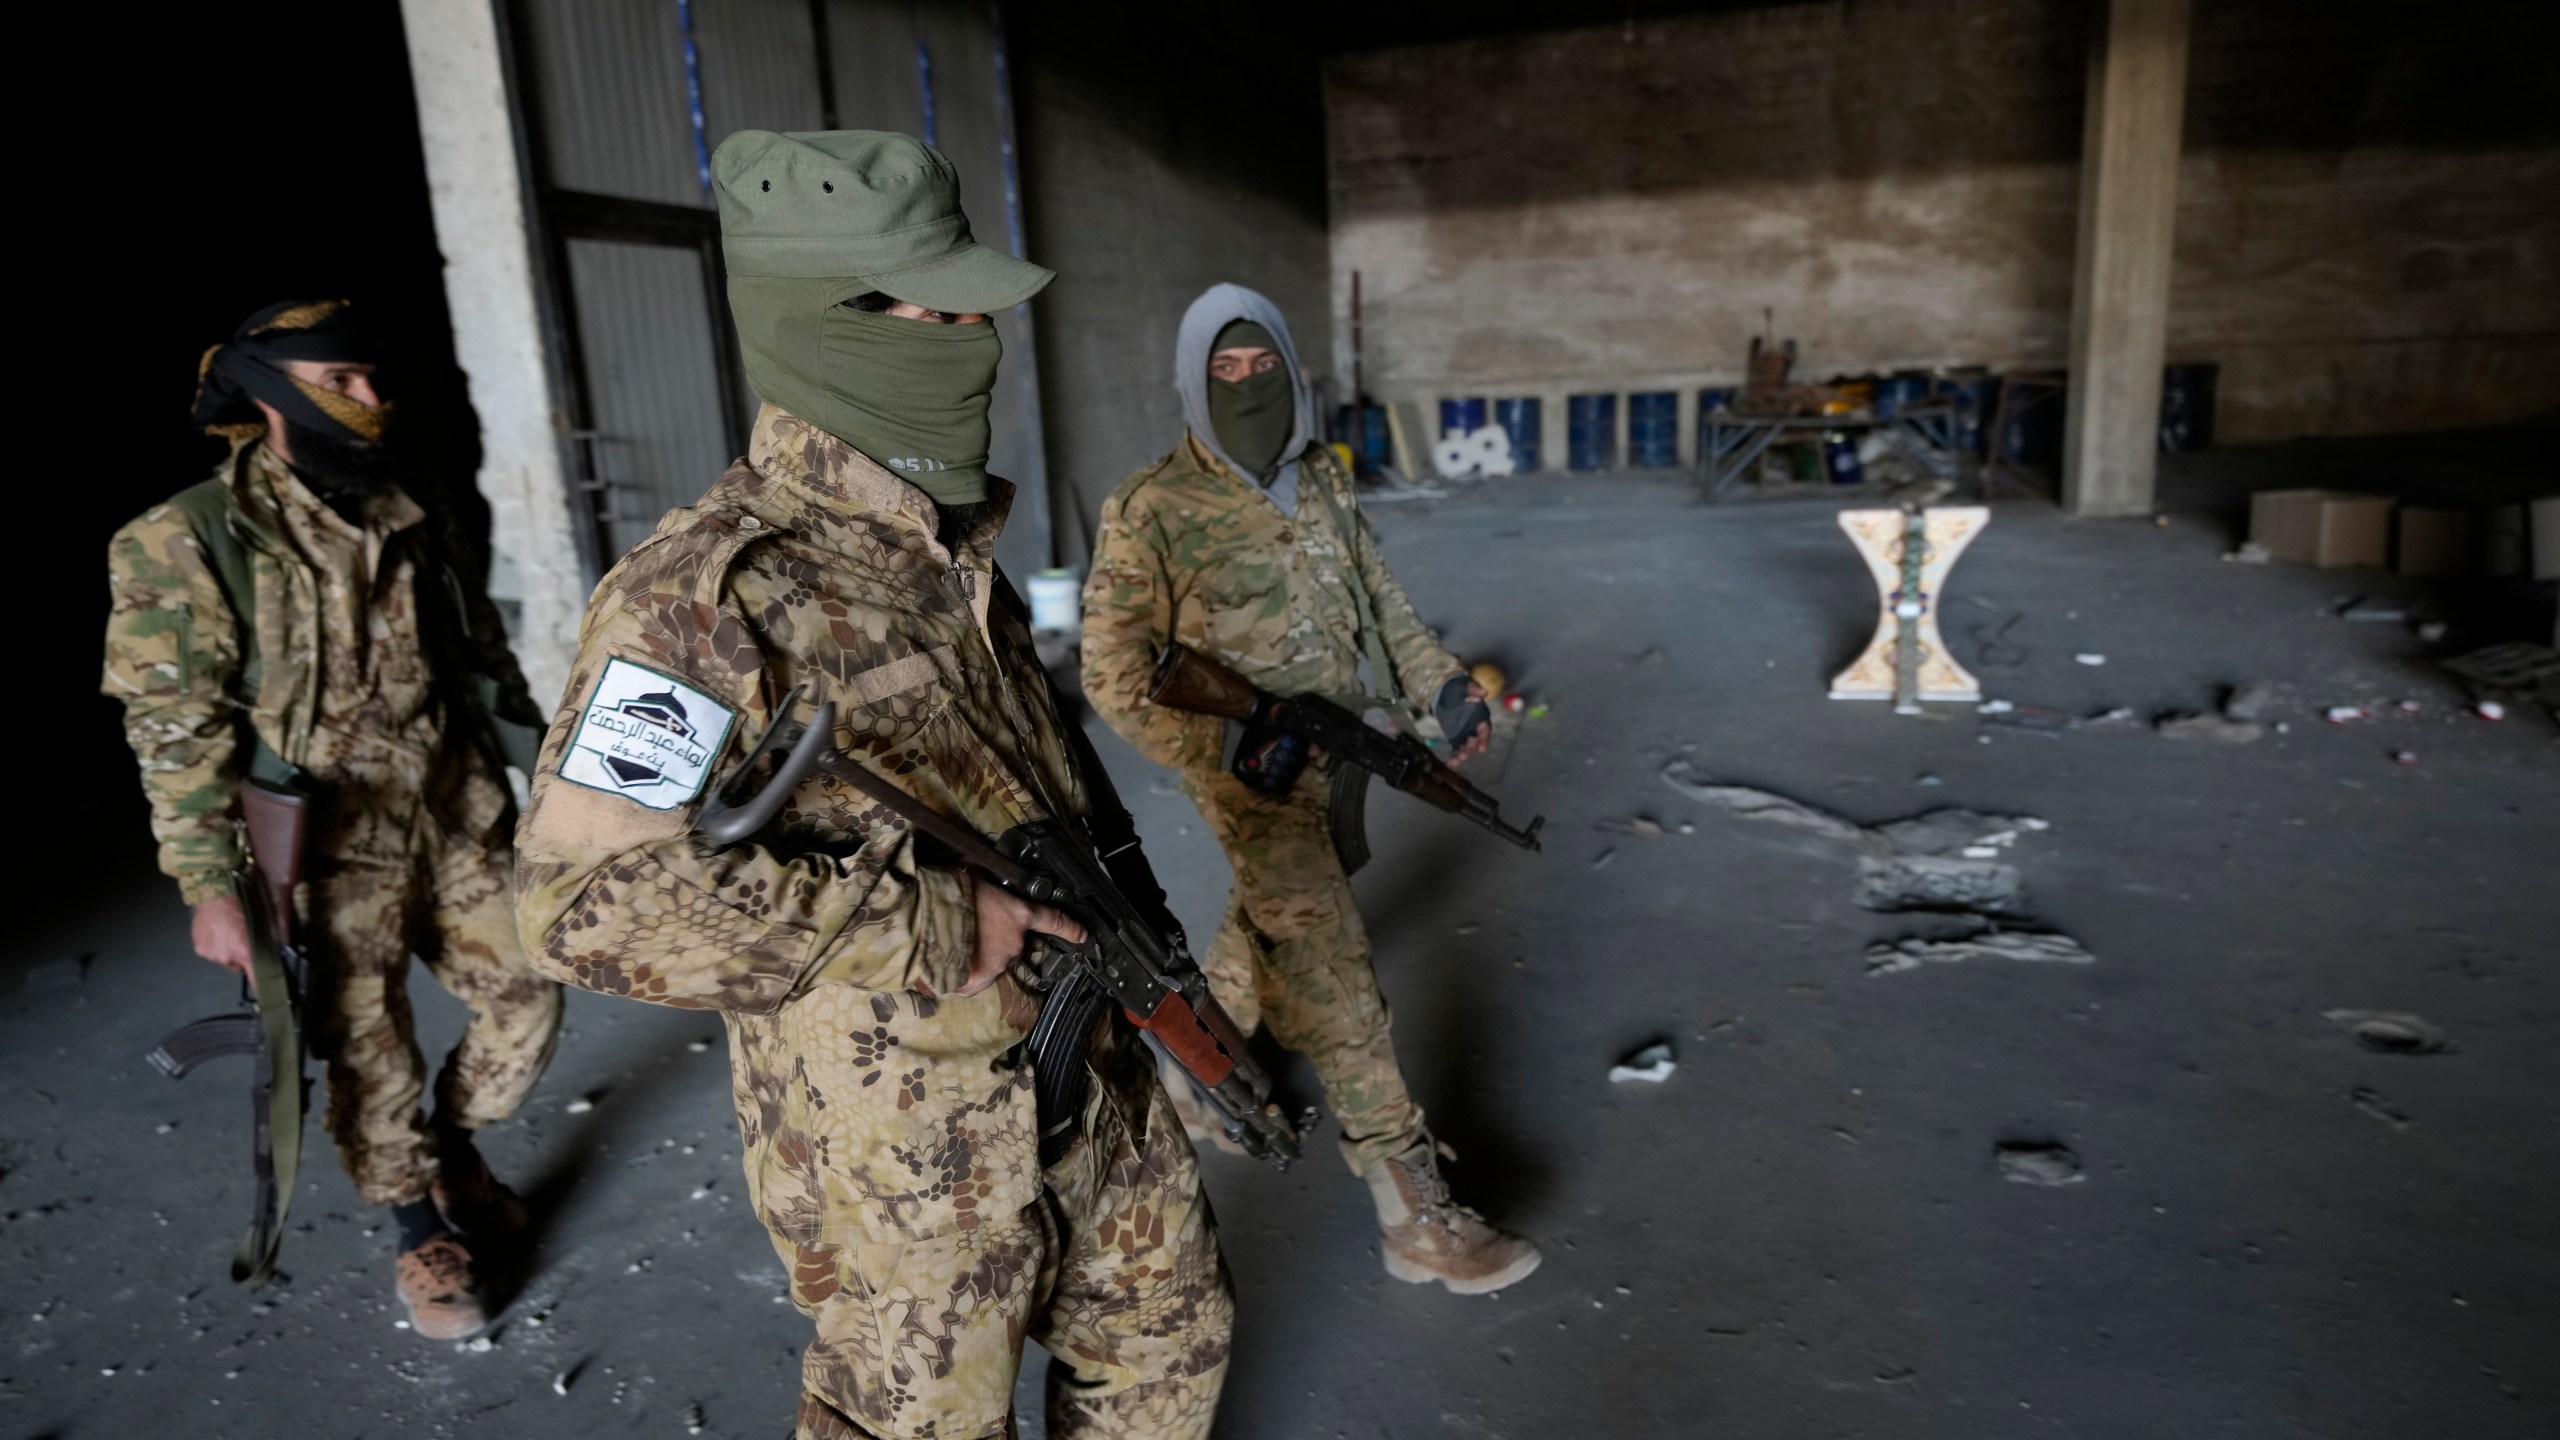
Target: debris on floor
2370	1101
2249	553
1653	1063
2219	729
1888	957
2090	657
2390	1032
1642	827
2038	1162
2510	673
1946	861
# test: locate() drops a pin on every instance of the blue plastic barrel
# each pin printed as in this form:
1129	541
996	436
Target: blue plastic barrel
1840	459
1974	398
1464	416
1372	444
1519	419
1653	429
2186	407
1591	431
1901	389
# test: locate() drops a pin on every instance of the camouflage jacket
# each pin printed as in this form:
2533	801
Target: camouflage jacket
868	1107
174	653
1191	551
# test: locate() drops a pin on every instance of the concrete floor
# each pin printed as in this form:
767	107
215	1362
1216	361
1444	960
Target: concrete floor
1802	1233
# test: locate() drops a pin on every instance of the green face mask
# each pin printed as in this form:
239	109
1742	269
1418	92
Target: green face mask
910	394
1254	417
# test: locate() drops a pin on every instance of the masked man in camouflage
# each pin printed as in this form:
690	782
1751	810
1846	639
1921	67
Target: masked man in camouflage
1247	544
300	617
876	1014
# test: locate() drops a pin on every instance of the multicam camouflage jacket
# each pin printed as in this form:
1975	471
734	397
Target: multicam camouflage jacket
869	1108
340	678
1191	551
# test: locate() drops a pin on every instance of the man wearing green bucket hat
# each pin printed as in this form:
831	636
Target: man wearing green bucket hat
875	1013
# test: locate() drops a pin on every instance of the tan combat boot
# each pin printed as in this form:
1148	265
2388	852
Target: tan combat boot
471	1199
1427	1236
1200	1119
443	1295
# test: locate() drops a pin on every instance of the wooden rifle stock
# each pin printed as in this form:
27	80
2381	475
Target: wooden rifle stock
278	822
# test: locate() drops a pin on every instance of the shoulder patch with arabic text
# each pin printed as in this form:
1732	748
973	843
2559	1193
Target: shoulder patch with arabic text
646	737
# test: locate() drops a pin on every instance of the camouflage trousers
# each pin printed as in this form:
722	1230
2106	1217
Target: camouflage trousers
454	908
1115	1272
1293	955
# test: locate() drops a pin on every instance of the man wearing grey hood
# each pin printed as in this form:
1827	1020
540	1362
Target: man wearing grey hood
1247	544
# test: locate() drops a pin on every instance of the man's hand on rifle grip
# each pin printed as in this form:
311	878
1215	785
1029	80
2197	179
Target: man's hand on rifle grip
1483	737
220	933
1005	924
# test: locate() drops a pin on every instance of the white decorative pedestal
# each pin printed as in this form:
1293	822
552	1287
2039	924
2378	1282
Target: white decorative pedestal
1909	552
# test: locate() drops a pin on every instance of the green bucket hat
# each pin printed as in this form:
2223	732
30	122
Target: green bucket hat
873	208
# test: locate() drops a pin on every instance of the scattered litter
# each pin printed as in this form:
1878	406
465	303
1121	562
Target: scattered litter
2253	701
1643	827
2090	657
693	1422
2390	1032
697	1046
2038	1162
2341	714
1688	827
560	1382
2519	670
2034	719
2433	631
2219	729
2490	710
2249	553
1994	707
2118	717
1601	861
1891	957
2404	757
1515	702
163	1128
2370	1101
1538	711
476	1345
580	1106
1927	778
2411	707
1653	1063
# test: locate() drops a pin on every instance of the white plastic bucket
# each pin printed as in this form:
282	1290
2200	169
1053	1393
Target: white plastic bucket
1056	602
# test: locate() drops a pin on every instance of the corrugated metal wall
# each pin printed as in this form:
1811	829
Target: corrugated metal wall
613	117
608	84
654	437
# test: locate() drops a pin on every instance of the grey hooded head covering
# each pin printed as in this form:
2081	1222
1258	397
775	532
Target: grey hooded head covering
1217	307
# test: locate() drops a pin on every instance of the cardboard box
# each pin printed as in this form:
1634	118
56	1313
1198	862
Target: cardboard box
2434	544
2327	528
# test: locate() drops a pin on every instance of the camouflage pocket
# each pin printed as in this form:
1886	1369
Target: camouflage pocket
889	704
940	1323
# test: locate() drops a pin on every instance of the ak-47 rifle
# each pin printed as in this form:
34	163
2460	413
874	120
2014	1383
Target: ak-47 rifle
1129	957
277	820
1185	679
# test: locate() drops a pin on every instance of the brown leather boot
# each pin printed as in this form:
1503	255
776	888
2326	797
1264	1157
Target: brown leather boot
470	1198
1200	1120
1427	1236
443	1295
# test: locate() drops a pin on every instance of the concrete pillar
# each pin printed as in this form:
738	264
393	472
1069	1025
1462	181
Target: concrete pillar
477	188
2120	290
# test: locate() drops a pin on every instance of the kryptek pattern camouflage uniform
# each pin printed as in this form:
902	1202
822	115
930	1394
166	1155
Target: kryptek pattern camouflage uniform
889	1136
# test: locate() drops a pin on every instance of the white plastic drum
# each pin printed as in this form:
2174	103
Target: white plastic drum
1056	600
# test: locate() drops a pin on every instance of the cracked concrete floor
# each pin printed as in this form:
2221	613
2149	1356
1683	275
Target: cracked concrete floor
1803	1232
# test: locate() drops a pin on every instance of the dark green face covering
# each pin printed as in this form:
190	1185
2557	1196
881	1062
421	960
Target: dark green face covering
1253	418
911	394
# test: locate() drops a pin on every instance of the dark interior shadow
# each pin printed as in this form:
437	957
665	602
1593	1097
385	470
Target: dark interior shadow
549	1195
